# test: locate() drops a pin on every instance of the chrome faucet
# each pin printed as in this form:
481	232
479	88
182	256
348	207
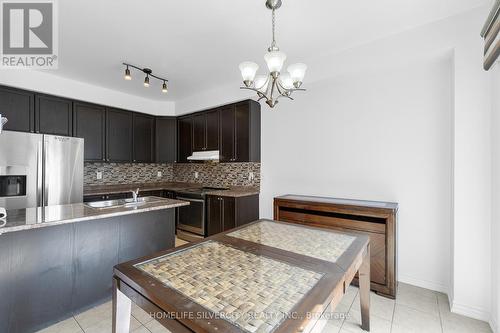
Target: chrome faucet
135	194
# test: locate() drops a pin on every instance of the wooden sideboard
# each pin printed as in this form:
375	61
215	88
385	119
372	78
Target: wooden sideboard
372	218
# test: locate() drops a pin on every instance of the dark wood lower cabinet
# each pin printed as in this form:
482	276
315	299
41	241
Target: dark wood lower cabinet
225	213
374	219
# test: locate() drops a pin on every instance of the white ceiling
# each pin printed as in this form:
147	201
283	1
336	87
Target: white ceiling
199	44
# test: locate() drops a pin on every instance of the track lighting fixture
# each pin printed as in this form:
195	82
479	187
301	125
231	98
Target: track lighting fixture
149	73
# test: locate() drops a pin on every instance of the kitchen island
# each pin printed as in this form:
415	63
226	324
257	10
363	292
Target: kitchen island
58	260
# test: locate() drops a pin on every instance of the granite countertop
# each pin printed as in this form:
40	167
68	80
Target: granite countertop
236	191
39	217
232	191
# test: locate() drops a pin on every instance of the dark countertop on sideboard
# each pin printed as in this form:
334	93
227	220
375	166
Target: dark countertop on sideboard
232	191
339	201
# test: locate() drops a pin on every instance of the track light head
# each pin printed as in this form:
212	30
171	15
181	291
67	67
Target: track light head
127	74
164	88
146	81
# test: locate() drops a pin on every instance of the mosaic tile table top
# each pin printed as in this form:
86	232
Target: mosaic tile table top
251	291
325	245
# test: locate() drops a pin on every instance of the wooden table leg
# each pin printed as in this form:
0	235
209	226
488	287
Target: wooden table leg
364	290
122	308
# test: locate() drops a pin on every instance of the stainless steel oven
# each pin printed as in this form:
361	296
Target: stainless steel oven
191	220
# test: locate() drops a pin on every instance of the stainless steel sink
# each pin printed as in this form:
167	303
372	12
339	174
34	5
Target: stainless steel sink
122	202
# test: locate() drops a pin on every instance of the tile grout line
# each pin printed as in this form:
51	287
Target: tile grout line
81	328
440	316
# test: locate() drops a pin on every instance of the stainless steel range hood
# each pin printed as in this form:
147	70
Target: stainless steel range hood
209	155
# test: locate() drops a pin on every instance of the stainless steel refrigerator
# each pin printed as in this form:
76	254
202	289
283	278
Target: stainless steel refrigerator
40	170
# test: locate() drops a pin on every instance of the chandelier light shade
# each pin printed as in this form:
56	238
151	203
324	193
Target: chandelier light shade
297	73
275	61
275	84
248	70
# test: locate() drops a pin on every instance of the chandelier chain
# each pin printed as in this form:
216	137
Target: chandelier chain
273	45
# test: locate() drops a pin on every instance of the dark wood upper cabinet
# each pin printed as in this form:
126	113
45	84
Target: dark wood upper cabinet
227	133
206	131
199	132
119	135
53	115
166	140
212	130
240	132
144	126
247	131
185	138
19	107
89	123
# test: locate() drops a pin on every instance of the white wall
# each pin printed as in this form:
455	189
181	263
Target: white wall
495	226
384	136
44	81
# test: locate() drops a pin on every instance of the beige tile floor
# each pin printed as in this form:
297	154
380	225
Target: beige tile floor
415	310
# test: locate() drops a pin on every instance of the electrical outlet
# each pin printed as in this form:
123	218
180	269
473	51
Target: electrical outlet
98	175
251	176
196	175
159	174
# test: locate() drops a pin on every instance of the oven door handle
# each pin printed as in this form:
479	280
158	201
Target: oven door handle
190	199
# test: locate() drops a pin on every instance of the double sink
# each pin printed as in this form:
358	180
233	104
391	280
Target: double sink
127	203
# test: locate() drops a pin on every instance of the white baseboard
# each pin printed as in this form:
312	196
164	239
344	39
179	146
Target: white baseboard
423	283
461	309
470	311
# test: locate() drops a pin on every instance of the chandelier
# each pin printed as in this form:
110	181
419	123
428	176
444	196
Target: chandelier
275	85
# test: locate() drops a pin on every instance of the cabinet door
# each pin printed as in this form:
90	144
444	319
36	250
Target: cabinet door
19	107
185	148
143	138
214	218
119	135
227	133
53	115
166	140
212	130
199	132
242	132
228	213
89	123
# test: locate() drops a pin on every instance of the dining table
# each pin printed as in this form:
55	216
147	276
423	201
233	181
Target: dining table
265	276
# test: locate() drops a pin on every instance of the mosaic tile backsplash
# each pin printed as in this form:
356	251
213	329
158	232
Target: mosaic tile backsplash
126	173
211	174
218	174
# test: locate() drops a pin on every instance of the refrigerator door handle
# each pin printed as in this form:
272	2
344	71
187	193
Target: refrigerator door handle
39	175
46	179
